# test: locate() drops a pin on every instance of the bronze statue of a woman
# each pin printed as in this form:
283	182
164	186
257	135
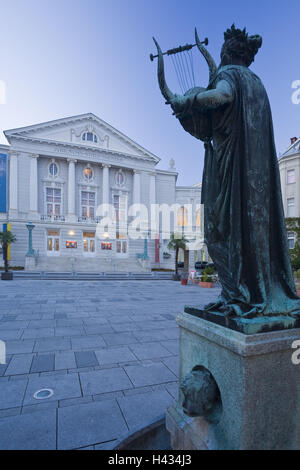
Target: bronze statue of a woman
244	220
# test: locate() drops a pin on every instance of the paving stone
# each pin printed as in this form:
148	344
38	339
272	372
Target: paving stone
3	368
34	333
19	364
92	423
141	409
60	316
14	325
172	363
107	396
52	344
41	323
10	412
149	350
102	381
43	363
149	374
149	336
114	355
105	445
119	338
39	406
69	322
136	391
19	347
12	393
10	334
75	401
86	359
98	329
64	386
173	390
69	331
34	431
172	345
65	360
88	342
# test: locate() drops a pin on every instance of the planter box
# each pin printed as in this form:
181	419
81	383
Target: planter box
184	282
7	276
207	285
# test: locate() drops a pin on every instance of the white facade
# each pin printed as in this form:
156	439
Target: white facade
57	174
289	167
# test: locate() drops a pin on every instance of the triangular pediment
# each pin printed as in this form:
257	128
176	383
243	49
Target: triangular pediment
74	130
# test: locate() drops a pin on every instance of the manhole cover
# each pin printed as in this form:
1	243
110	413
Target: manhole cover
43	394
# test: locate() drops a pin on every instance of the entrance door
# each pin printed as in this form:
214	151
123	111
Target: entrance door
53	242
121	248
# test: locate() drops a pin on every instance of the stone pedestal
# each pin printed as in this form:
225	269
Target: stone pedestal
259	387
29	263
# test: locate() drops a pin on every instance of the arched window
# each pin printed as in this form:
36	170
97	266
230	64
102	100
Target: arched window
88	173
53	169
182	217
89	137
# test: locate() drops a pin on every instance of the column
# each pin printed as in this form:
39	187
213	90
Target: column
13	184
136	187
105	184
33	187
152	189
152	201
71	191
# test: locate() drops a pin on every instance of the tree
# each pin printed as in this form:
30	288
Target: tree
6	238
176	242
293	225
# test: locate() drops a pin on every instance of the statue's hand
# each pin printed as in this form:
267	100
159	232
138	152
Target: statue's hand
179	104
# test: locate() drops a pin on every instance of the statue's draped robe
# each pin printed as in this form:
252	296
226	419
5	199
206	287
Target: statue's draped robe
244	220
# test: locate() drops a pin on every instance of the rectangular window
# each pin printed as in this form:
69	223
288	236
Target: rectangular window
89	243
291	207
120	206
291	240
88	202
53	202
53	241
291	176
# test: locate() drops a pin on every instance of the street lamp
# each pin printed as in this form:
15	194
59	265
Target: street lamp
30	226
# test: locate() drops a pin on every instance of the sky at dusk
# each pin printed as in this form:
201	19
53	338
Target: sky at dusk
61	58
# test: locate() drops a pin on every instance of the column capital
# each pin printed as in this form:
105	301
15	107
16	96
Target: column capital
34	155
12	153
152	173
136	172
71	160
106	165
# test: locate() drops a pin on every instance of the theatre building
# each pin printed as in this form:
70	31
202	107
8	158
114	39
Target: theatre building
57	174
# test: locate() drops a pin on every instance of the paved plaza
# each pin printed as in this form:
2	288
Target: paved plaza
108	351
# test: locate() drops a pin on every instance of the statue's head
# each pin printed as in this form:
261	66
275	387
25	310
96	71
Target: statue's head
239	48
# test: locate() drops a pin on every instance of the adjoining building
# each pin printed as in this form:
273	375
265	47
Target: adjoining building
56	175
289	167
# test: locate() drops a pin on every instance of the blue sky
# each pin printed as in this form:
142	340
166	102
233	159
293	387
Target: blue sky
65	57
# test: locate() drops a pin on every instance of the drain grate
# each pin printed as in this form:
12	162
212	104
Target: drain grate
43	394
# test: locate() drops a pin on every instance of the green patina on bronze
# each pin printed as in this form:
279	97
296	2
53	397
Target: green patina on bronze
244	220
